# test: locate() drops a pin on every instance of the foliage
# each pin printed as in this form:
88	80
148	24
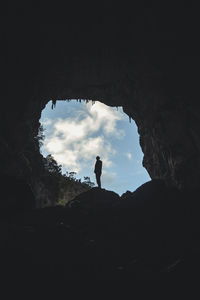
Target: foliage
51	165
88	182
40	136
59	188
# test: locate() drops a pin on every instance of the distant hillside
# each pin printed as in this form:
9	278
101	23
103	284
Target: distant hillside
56	188
70	187
50	187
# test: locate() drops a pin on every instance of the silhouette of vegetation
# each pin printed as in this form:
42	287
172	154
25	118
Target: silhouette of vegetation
66	186
60	188
40	136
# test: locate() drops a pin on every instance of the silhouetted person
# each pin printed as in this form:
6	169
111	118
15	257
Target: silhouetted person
97	170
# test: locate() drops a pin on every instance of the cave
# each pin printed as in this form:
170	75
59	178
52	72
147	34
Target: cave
147	66
98	129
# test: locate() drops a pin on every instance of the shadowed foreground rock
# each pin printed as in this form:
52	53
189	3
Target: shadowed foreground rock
152	233
12	189
145	60
95	200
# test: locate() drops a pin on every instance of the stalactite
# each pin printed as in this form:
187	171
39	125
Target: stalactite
53	105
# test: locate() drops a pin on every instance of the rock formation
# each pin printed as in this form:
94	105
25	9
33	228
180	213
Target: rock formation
152	73
145	60
151	234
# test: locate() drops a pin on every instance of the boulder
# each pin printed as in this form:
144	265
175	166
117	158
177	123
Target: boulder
95	199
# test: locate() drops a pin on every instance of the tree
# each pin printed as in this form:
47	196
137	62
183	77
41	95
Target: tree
72	175
51	165
88	181
40	136
62	187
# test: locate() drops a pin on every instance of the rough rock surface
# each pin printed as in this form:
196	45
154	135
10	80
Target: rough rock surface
148	64
150	234
95	199
16	194
149	74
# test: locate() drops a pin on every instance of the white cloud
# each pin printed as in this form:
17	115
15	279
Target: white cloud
107	117
74	142
128	155
54	145
47	122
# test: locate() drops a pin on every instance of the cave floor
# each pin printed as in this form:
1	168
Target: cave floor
77	243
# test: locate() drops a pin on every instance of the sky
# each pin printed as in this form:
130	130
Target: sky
75	133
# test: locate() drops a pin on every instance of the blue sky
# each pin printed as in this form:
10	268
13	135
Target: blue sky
75	133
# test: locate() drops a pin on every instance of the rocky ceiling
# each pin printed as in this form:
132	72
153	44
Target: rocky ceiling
145	61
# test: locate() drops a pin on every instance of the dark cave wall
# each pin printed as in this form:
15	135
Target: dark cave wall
155	87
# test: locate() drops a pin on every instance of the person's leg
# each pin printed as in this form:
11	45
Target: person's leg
98	180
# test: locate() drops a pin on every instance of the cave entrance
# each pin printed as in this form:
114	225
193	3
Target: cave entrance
76	131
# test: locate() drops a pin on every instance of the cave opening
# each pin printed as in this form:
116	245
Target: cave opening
77	131
136	59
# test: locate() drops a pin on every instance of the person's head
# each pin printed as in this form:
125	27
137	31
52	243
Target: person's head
97	158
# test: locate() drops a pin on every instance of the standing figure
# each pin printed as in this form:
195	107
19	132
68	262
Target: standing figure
97	170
